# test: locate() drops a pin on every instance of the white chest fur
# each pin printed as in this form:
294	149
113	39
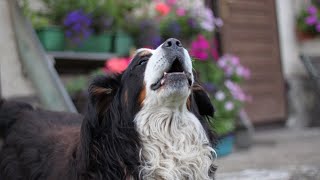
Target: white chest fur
174	145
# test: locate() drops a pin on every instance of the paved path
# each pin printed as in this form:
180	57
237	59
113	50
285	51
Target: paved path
276	154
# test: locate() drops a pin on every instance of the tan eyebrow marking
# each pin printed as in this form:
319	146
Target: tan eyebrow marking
144	53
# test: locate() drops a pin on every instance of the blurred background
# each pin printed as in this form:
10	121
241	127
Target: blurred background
258	60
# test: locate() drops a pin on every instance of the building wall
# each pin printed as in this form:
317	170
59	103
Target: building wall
13	81
290	49
301	92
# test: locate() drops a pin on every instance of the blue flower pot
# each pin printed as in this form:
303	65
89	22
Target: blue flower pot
225	145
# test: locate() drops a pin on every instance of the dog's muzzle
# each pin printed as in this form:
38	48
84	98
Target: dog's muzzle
174	54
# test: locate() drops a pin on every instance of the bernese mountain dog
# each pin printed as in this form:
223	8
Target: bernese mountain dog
149	122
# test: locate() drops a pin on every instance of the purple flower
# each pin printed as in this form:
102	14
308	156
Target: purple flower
174	28
312	10
107	22
192	23
208	19
236	91
318	27
218	22
78	25
156	40
209	87
311	20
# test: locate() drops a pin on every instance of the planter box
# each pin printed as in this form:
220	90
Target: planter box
51	38
95	43
225	145
123	42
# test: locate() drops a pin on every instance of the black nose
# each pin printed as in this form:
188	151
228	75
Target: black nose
172	44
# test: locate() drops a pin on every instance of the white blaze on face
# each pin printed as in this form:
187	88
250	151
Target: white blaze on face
157	66
174	143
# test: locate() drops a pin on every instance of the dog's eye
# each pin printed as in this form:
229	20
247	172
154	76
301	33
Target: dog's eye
143	61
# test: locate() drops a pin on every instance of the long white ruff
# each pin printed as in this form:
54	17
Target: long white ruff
174	145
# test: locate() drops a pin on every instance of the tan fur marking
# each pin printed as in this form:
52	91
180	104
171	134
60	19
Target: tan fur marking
189	103
144	53
99	90
126	97
142	95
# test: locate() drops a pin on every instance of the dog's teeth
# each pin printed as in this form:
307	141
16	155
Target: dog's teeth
165	73
162	81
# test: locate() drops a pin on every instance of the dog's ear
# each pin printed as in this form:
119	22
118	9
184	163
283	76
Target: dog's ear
102	90
200	104
202	100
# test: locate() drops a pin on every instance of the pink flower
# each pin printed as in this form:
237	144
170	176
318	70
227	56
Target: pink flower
246	73
311	20
235	61
181	12
214	50
240	71
171	2
222	63
236	91
163	9
116	65
312	10
199	48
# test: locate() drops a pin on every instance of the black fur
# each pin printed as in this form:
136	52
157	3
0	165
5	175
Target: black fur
104	144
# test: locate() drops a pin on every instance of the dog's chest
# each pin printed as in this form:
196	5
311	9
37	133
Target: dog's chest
174	146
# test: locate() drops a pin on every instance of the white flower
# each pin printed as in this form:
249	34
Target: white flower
220	96
229	106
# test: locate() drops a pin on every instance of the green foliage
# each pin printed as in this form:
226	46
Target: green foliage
80	83
180	22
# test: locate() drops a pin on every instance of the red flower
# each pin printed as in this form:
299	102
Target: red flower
116	65
163	9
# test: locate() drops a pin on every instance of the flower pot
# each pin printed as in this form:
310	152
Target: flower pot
123	42
95	43
304	36
225	145
51	38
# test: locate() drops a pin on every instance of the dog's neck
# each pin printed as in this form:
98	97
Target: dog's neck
174	144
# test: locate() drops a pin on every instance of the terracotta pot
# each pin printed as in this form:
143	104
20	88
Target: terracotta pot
303	36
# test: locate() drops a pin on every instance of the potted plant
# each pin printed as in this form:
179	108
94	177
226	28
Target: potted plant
222	77
123	13
89	28
308	23
46	23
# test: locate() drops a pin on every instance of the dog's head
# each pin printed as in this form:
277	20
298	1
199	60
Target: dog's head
162	76
154	79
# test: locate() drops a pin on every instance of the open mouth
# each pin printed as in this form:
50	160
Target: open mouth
176	70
